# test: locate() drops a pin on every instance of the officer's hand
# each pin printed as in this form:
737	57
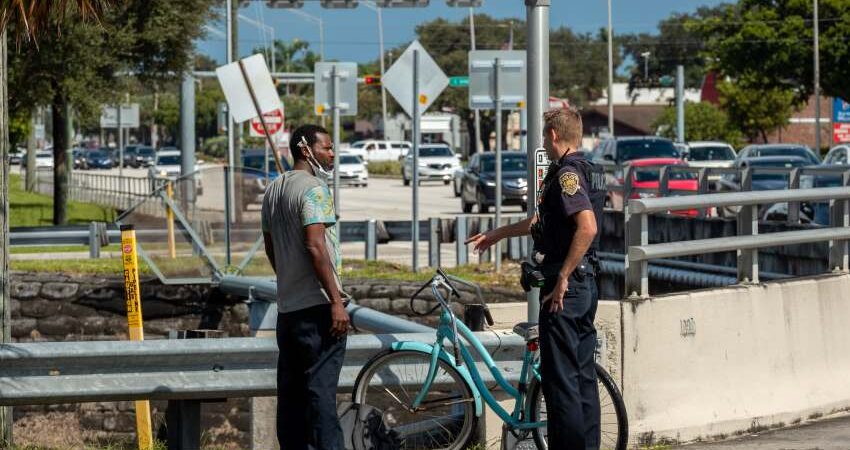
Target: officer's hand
556	297
482	241
339	320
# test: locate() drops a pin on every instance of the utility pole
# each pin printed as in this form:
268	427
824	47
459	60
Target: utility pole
680	104
817	79
475	111
5	304
610	73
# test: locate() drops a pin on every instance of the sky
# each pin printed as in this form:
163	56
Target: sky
352	34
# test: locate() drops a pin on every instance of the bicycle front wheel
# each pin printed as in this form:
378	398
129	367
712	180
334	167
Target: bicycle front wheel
613	424
392	380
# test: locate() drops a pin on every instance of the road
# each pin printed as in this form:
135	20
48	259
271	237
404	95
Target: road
830	433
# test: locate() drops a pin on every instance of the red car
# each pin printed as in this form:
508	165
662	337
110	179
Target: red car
645	182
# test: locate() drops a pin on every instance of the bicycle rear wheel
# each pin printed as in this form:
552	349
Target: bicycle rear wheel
614	426
391	381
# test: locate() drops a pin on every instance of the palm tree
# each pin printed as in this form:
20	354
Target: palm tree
28	18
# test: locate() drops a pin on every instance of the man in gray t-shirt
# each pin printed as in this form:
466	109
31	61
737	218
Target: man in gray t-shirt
298	221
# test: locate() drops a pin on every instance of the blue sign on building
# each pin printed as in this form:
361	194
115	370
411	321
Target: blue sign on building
840	110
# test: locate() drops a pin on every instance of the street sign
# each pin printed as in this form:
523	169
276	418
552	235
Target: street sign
398	80
461	81
541	166
129	116
840	110
841	133
274	122
323	82
244	81
482	76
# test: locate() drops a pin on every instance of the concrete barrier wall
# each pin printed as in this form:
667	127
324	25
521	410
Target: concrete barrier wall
712	363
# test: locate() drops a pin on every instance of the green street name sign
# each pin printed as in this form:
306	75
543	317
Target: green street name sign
462	81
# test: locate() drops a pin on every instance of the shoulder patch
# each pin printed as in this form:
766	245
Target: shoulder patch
569	183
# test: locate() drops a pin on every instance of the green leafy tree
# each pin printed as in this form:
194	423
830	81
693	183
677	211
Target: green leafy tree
79	66
756	112
703	122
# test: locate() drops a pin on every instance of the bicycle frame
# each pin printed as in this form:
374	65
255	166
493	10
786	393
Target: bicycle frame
446	330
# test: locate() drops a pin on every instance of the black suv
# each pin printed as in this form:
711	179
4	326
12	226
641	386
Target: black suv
620	150
478	184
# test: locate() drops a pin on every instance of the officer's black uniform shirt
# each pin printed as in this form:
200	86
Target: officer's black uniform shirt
573	184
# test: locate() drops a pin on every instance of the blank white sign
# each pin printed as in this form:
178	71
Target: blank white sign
235	87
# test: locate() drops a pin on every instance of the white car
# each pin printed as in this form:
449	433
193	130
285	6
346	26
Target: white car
352	170
436	162
44	160
712	154
374	150
167	165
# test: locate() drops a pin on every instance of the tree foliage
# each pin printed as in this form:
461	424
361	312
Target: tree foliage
703	122
756	112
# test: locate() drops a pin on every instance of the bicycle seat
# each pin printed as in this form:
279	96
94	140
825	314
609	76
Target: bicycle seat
528	330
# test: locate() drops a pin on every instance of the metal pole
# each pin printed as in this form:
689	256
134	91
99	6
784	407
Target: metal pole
120	144
538	96
416	118
335	107
383	90
680	104
231	135
523	130
817	79
227	207
475	111
497	99
321	40
187	137
610	73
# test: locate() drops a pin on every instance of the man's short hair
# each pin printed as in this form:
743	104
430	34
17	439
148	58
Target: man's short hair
310	132
567	124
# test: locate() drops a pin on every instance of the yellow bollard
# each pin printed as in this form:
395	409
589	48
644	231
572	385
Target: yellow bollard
132	296
169	214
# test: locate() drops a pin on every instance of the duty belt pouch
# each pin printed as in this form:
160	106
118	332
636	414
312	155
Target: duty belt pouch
531	277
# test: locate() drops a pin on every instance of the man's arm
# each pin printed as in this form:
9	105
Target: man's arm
314	237
267	240
583	237
482	241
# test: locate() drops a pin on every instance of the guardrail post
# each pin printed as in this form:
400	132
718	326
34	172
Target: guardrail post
702	188
748	260
434	242
371	240
94	241
839	216
461	233
637	274
664	181
793	216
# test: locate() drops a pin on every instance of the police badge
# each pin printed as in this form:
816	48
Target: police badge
569	183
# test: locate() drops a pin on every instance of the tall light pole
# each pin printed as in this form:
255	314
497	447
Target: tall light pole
610	73
472	45
268	28
645	56
378	11
817	80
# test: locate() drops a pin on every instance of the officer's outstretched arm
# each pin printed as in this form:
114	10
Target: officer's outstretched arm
482	241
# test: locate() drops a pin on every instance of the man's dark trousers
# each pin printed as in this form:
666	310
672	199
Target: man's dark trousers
307	376
567	346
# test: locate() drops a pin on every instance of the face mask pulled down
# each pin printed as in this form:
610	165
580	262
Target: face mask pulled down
318	169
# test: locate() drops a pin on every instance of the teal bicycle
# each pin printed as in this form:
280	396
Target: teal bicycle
430	399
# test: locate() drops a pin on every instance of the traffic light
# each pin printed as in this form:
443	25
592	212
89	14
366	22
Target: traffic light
372	80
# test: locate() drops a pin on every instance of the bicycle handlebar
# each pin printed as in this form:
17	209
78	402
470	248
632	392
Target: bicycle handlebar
446	280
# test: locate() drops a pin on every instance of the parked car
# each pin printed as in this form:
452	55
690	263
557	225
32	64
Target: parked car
44	160
436	162
375	150
838	156
620	150
710	154
129	155
145	157
80	162
167	165
253	177
352	170
478	186
797	150
764	182
98	159
646	182
16	155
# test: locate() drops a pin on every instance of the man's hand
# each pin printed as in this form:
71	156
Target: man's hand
482	241
340	320
556	297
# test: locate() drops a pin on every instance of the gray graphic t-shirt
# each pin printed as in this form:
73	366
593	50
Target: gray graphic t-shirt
293	201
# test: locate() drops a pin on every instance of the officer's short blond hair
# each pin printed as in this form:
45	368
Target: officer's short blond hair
567	125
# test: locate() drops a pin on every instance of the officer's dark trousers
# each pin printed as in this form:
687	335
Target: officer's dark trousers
567	345
307	375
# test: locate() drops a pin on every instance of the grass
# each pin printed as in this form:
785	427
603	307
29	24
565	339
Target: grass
49	249
384	168
29	209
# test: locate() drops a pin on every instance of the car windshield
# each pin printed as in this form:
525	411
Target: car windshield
168	160
358	145
439	152
349	159
653	174
44	155
146	151
712	153
256	162
509	164
97	154
774	164
788	151
639	149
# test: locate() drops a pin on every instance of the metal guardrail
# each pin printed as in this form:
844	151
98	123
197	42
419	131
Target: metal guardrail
748	240
71	372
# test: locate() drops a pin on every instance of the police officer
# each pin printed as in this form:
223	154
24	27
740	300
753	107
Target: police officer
569	210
